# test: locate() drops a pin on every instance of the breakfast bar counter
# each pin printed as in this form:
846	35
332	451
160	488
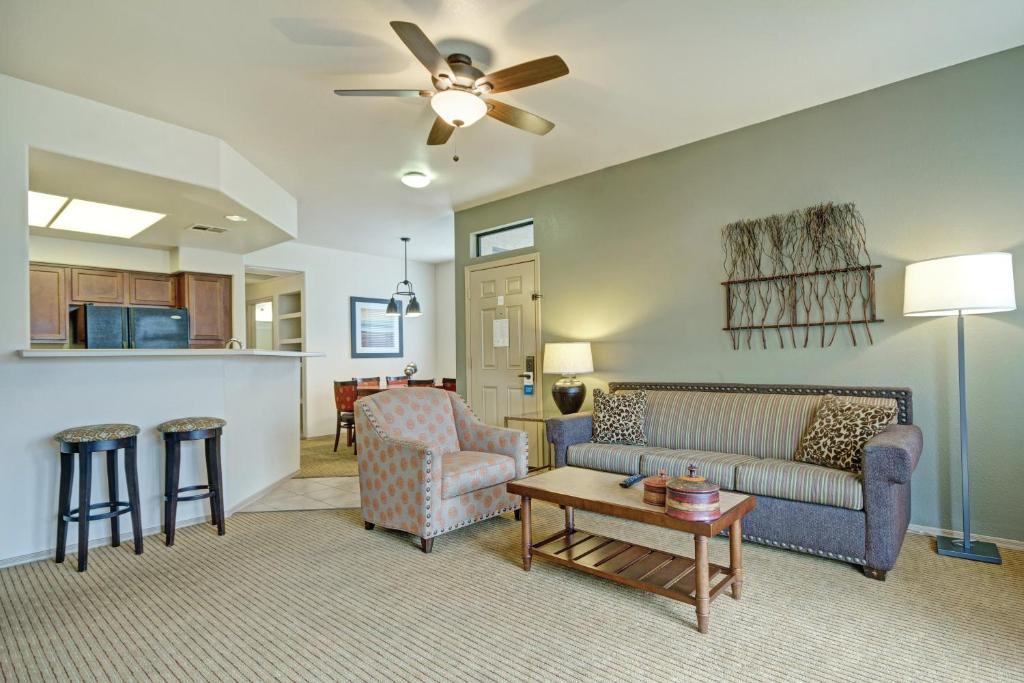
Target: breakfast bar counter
257	392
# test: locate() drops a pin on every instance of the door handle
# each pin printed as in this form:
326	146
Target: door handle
524	375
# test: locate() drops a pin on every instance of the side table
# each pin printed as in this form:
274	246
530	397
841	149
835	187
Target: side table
536	417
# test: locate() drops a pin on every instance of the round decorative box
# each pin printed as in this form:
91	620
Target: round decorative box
692	498
654	489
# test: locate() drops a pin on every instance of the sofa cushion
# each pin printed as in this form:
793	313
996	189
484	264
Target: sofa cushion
468	471
840	429
619	418
801	481
758	425
421	414
606	457
718	468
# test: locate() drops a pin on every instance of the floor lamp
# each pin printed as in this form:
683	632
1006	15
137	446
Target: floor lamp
960	286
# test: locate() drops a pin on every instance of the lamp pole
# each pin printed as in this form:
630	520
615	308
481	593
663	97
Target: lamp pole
965	484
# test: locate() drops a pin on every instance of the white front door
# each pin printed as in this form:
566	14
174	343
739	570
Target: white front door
502	318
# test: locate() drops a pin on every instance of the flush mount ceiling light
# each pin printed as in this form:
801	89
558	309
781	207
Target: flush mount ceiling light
404	288
415	179
104	219
458	108
43	207
236	219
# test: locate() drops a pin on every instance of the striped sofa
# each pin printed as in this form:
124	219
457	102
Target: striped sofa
743	437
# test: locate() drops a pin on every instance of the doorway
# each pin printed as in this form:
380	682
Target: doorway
503	343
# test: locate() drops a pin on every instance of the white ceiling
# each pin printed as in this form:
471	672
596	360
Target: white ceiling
645	76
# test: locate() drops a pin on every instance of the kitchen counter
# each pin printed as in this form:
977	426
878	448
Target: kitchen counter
257	392
160	353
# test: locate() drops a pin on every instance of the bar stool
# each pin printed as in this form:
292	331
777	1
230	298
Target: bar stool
84	441
207	429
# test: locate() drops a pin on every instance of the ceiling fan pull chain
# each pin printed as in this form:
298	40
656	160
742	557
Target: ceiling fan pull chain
455	148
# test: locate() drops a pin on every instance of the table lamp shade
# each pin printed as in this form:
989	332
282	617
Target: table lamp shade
571	358
968	284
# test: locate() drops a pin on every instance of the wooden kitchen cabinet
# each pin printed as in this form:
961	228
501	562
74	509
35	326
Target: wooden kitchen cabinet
151	289
208	299
97	286
48	303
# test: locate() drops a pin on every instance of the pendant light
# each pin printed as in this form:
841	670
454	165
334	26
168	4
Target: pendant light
413	309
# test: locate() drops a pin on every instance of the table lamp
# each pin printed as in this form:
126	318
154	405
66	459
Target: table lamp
961	285
569	359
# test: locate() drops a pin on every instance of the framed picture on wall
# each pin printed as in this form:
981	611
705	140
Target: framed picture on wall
374	333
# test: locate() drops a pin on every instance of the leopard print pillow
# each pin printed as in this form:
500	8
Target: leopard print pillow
839	431
619	418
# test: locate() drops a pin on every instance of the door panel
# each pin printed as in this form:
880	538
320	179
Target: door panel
48	303
148	289
504	292
94	286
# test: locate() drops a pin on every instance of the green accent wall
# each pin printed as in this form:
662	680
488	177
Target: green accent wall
632	261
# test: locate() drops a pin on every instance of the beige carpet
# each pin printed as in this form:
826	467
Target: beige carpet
318	459
313	596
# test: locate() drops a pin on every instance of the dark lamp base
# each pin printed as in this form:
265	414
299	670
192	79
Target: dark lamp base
980	550
569	395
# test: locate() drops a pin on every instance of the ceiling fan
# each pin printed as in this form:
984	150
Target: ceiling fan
460	88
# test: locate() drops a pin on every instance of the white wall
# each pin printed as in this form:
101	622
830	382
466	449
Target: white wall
41	398
444	319
331	277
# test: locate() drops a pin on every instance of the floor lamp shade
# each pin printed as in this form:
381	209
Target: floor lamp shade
568	359
961	285
968	284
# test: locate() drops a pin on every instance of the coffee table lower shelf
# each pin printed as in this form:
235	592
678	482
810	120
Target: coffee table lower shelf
656	571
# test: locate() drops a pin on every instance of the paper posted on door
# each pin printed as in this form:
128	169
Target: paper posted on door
501	333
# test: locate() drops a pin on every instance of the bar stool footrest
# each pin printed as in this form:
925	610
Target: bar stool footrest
196	496
121	507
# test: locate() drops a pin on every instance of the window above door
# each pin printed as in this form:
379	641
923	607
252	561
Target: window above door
518	235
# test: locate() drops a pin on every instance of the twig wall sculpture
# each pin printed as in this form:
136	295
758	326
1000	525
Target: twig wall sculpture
789	273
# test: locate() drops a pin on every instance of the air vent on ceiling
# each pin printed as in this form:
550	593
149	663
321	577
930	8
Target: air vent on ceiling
208	228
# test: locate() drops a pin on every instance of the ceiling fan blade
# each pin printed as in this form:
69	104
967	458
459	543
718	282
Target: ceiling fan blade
384	93
440	132
514	116
527	73
422	49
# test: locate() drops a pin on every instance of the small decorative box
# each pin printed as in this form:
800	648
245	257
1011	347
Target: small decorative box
654	489
692	498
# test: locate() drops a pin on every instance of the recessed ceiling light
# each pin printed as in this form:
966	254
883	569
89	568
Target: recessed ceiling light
236	218
104	219
43	207
415	179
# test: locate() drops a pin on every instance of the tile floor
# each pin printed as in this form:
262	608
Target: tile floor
319	493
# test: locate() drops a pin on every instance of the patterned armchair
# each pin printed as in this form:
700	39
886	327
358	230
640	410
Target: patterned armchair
428	465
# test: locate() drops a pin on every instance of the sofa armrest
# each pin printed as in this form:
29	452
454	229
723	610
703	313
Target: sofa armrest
892	455
567	430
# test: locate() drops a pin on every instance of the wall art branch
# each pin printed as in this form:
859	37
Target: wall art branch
799	277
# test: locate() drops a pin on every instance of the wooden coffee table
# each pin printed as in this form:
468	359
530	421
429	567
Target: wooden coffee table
674	576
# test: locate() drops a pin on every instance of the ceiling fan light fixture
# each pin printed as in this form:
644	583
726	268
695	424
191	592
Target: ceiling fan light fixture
415	179
458	108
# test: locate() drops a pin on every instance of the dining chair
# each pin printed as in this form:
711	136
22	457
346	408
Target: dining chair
345	401
367	381
400	381
448	383
421	382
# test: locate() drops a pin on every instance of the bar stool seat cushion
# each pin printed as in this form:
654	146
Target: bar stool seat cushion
104	432
191	424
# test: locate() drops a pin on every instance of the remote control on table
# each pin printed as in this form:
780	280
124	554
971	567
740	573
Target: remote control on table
630	480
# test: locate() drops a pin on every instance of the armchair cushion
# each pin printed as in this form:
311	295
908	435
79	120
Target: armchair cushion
419	414
468	471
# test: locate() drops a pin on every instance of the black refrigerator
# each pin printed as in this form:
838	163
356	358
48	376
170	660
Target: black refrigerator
133	327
